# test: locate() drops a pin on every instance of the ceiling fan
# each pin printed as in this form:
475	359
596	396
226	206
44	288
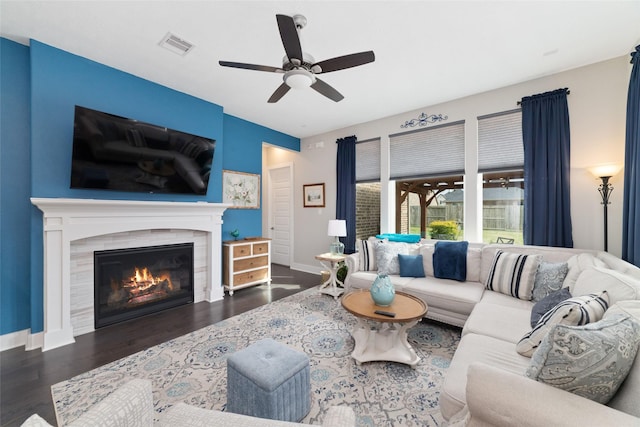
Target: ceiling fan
299	68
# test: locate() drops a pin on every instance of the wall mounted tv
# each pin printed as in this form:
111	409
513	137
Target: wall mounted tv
116	153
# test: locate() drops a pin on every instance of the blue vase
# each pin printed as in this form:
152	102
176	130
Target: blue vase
382	291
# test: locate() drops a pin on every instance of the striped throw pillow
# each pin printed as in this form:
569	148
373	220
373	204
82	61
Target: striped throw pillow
367	253
513	274
575	311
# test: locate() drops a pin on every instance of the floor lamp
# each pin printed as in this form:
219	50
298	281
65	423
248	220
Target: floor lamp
604	173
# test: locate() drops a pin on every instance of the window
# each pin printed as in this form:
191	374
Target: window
501	162
435	151
421	202
428	167
367	188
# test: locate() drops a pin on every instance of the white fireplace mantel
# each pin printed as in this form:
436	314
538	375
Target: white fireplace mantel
66	220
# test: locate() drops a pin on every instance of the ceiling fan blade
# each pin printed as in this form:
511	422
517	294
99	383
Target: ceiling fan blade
289	36
279	93
326	90
251	66
346	61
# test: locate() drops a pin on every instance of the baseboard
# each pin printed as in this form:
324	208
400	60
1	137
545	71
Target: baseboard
313	269
35	341
21	339
13	340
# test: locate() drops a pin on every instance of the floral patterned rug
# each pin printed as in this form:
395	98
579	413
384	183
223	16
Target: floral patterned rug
192	368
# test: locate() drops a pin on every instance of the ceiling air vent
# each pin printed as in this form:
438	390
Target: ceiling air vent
176	45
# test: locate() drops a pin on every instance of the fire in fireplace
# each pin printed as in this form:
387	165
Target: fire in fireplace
134	282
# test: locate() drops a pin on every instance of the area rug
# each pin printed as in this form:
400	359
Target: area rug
192	368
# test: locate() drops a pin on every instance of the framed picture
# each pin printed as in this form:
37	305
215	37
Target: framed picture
241	189
313	195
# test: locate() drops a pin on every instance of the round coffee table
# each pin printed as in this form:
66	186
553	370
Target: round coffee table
382	338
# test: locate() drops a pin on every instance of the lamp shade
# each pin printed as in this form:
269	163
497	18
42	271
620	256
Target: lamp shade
299	79
337	227
605	170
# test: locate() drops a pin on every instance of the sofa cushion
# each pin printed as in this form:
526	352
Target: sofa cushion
497	298
574	311
367	254
577	264
450	260
619	286
450	295
615	263
364	280
549	278
410	265
507	323
547	303
476	348
513	274
591	360
473	261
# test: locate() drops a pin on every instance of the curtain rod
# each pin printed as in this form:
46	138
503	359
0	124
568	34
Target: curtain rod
519	102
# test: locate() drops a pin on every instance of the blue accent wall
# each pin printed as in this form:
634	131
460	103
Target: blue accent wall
41	86
15	207
243	140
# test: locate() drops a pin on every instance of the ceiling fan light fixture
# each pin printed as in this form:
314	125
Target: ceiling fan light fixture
299	79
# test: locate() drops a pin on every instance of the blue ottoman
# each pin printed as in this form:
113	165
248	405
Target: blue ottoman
269	380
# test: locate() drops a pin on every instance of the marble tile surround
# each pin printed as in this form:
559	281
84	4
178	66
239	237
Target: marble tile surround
82	271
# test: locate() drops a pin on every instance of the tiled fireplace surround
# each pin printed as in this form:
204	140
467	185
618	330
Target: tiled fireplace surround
75	228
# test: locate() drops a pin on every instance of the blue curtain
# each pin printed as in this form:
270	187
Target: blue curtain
545	134
346	191
631	204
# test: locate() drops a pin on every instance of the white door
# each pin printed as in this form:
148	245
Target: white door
280	206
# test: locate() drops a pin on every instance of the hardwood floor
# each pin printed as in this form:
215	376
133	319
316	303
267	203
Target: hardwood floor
26	376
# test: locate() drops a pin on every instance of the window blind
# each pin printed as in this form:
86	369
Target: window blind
500	144
368	160
420	153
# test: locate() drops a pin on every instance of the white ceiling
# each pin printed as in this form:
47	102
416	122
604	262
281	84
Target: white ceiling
427	52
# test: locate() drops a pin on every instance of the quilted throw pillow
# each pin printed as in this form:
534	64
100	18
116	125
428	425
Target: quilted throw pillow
367	255
387	256
549	278
513	274
591	361
573	312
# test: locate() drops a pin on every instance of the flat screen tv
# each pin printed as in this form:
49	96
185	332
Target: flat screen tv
116	153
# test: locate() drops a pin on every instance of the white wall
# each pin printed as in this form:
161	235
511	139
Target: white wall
597	106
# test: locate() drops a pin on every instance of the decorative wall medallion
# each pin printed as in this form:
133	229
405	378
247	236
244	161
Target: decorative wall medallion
424	119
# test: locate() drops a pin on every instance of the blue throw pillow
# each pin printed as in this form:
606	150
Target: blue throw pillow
547	303
411	265
450	260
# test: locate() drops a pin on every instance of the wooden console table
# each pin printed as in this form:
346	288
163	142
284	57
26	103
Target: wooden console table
246	262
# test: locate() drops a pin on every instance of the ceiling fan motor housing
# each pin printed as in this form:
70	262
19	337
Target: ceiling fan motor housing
299	78
299	67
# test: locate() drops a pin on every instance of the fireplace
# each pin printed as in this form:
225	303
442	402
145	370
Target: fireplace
133	282
74	223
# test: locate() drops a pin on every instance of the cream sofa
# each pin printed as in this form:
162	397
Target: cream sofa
131	405
486	383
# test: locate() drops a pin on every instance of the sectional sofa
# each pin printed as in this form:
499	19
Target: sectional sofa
486	383
131	405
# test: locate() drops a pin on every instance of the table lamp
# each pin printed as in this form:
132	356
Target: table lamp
337	228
